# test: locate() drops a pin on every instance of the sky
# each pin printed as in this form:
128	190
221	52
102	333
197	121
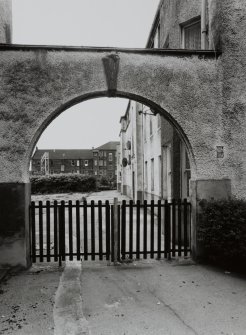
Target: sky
115	23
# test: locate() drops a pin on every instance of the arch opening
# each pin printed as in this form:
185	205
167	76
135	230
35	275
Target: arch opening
96	95
185	150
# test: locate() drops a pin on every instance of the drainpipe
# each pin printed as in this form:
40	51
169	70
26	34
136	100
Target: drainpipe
203	25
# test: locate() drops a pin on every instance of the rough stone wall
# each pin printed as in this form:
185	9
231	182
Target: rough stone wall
232	19
5	21
35	84
173	13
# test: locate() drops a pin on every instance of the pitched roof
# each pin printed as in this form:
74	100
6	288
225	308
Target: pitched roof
108	146
64	153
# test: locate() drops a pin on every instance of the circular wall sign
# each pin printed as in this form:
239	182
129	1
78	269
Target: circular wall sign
124	162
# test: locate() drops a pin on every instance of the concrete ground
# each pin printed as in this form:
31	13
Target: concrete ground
143	297
136	298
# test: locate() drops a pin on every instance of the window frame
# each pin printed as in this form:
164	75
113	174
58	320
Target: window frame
186	25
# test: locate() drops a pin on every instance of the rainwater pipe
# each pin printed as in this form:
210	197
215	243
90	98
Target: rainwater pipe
203	25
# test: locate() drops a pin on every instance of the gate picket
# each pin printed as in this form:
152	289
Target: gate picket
179	229
92	230
85	231
48	230
130	228
152	222
173	241
159	230
100	239
70	227
62	231
78	229
138	231
41	231
107	217
123	230
112	233
55	232
185	228
167	229
145	230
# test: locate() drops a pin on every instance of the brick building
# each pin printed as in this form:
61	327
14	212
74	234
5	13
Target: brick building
105	160
50	161
100	161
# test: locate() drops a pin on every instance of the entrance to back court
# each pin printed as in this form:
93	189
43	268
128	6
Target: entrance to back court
117	231
72	75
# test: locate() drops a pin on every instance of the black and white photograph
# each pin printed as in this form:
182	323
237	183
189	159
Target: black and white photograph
122	167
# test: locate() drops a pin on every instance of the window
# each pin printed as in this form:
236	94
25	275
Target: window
105	163
110	156
105	154
78	171
186	172
150	126
158	121
95	162
86	162
95	173
101	154
95	154
62	168
110	167
156	43
72	162
100	162
191	35
77	162
51	162
152	175
144	127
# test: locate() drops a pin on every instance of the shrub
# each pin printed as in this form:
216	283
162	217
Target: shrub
223	232
105	183
61	183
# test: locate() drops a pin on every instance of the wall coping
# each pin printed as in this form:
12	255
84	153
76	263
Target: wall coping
143	51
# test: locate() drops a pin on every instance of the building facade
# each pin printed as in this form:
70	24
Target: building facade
57	161
157	166
6	21
105	160
98	162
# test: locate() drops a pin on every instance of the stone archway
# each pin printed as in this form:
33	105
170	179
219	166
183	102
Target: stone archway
39	83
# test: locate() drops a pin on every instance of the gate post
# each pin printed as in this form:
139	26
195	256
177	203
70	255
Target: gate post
211	189
15	199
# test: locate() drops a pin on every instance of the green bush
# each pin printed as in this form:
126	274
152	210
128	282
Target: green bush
222	233
63	183
105	183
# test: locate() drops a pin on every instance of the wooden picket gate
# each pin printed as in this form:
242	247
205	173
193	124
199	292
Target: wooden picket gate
109	231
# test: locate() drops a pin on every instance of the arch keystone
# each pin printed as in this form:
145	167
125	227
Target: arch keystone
111	69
